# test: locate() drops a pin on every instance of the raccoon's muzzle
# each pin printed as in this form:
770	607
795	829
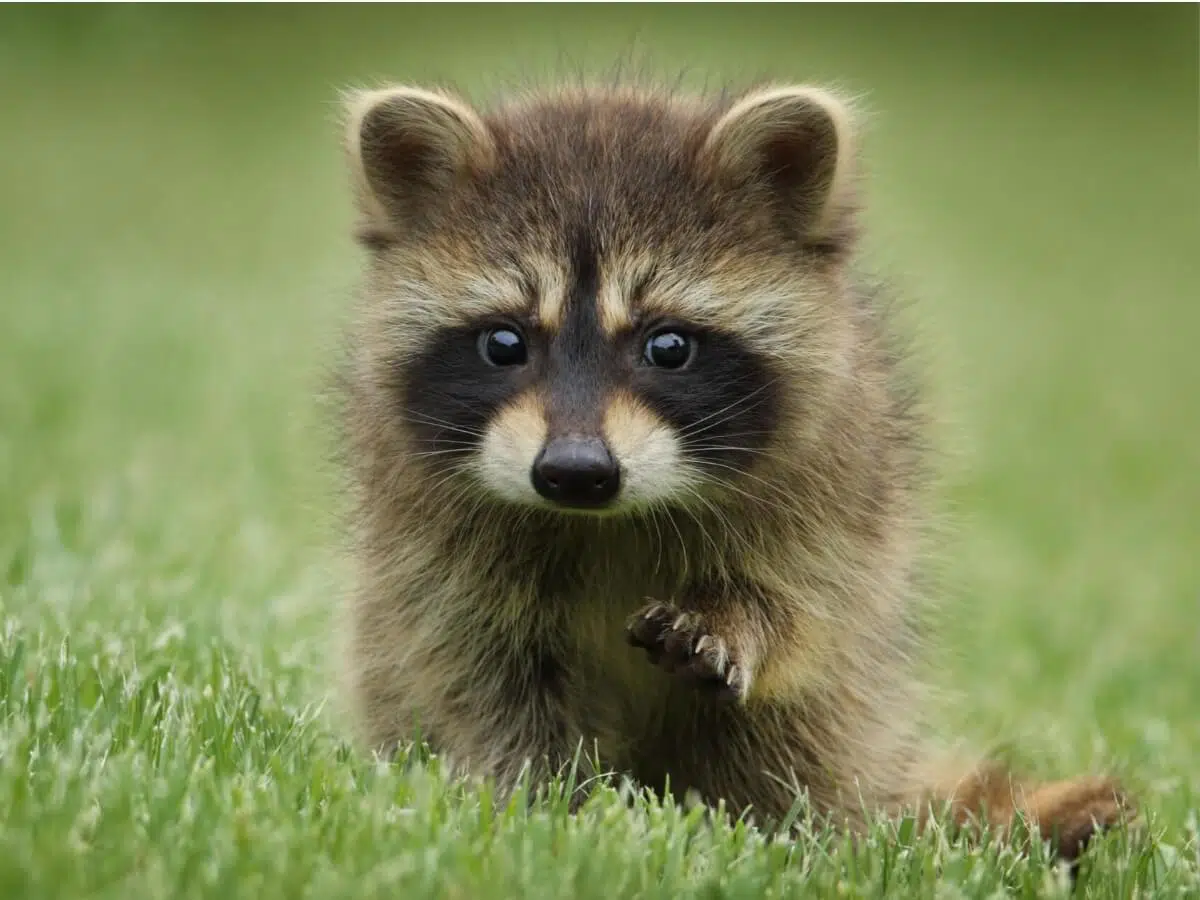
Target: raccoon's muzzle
576	472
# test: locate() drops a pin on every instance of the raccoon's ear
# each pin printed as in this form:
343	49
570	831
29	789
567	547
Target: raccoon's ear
407	147
795	144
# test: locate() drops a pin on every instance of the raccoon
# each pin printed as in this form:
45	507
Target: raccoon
635	462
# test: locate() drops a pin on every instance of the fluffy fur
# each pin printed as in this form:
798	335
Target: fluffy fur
740	619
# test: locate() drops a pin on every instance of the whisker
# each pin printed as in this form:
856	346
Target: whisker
747	434
658	541
460	451
445	441
785	506
691	429
682	543
731	447
454	472
716	548
439	423
728	530
693	432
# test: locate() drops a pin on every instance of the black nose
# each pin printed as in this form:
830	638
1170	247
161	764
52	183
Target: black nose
576	472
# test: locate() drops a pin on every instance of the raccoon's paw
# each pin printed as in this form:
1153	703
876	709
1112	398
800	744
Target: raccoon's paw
680	643
1070	813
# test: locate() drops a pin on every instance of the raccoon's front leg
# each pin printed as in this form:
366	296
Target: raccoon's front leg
705	649
494	710
526	721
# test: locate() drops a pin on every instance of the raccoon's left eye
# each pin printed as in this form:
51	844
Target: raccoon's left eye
668	349
502	347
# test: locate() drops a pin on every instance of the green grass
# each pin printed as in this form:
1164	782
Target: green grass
174	265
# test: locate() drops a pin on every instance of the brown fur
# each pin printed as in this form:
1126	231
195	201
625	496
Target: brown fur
775	608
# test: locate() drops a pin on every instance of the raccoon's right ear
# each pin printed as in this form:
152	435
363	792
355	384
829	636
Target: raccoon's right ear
407	147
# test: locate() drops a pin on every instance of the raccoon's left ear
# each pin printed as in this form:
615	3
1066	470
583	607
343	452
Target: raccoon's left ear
796	145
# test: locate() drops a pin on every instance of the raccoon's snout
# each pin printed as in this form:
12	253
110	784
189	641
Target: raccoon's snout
576	472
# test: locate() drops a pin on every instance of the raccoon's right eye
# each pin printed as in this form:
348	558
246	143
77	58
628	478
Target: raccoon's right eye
502	347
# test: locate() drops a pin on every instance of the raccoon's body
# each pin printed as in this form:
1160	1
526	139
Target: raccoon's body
635	466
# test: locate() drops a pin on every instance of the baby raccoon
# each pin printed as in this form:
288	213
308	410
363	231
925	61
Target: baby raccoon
634	464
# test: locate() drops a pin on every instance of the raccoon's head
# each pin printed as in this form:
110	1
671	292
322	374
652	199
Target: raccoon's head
601	300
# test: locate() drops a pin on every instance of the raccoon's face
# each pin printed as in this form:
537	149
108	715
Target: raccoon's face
603	302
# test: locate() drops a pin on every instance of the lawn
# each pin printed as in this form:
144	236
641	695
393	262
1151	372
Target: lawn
174	271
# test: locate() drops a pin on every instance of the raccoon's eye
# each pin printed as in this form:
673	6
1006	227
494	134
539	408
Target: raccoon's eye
668	349
502	347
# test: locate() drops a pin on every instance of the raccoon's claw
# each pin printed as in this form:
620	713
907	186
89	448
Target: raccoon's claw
679	643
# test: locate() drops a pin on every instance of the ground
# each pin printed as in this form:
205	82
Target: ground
174	266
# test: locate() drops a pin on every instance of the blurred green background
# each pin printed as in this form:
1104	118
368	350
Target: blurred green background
175	265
